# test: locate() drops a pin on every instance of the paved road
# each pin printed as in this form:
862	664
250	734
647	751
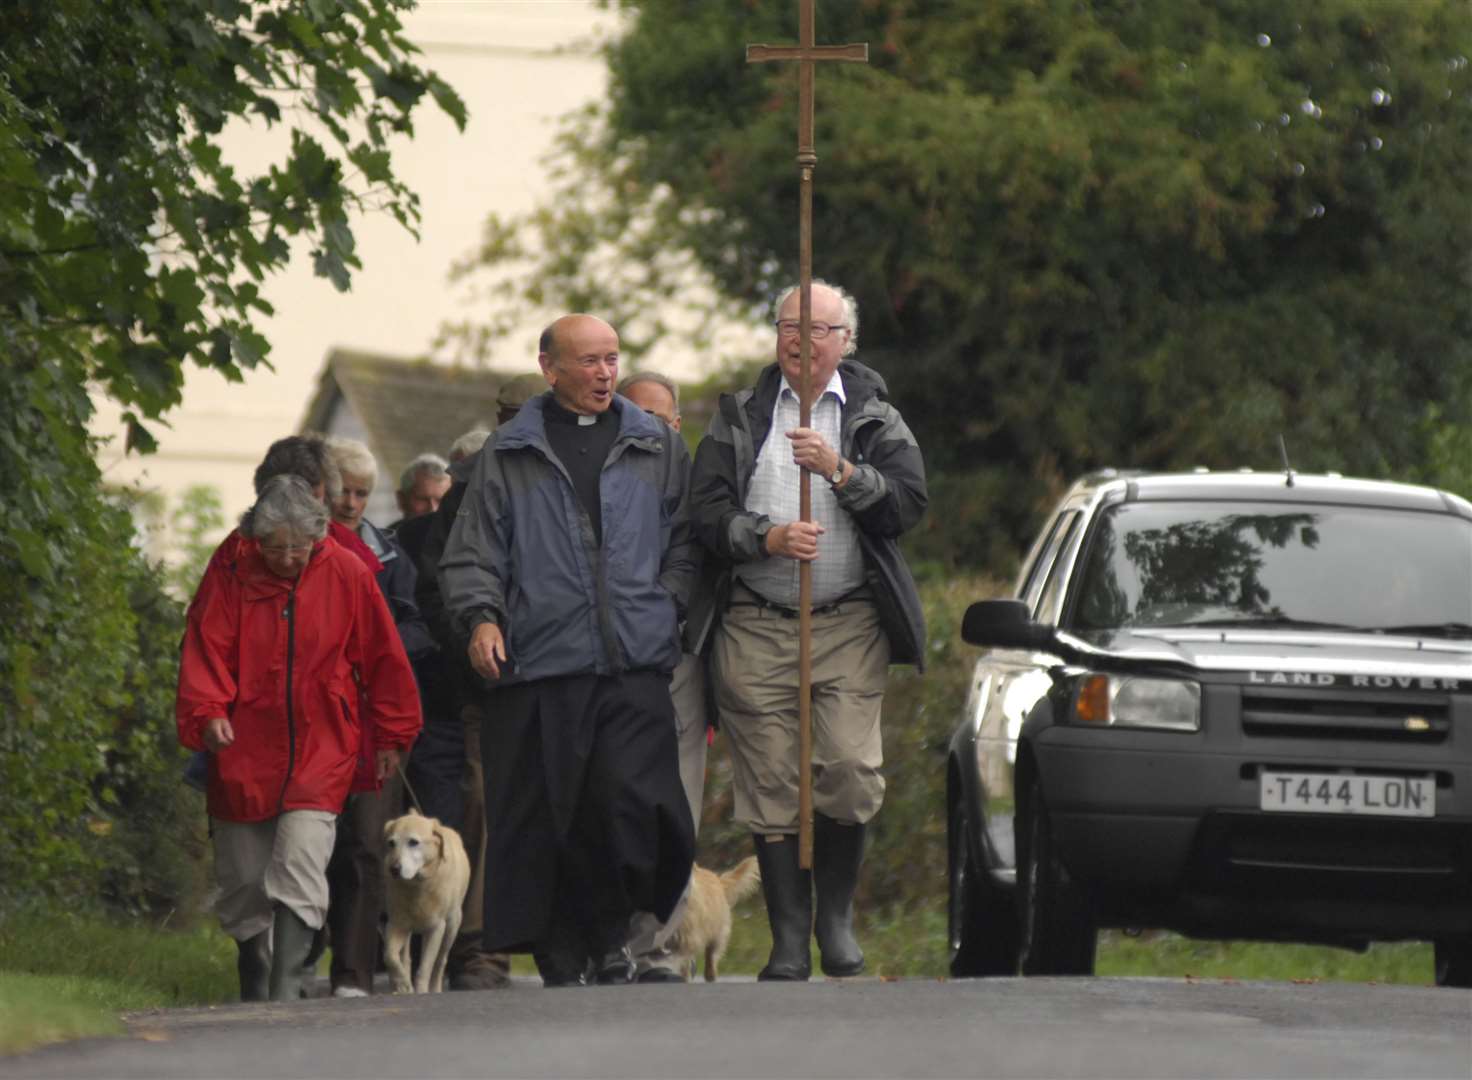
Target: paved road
858	1028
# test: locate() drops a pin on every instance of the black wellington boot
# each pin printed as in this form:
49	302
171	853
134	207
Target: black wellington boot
788	890
253	964
838	852
291	941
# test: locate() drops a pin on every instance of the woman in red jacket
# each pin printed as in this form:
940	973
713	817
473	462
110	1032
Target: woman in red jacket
279	658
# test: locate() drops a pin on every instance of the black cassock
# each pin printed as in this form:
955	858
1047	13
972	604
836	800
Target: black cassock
586	818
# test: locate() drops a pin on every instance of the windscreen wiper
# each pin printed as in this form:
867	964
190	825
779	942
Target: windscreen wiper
1446	629
1283	621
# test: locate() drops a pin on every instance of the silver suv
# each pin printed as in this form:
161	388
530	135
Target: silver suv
1233	705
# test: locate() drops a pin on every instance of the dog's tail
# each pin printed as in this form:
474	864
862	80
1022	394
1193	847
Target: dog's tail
741	880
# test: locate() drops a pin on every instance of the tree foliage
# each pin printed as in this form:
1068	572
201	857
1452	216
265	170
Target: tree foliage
127	242
129	246
1133	232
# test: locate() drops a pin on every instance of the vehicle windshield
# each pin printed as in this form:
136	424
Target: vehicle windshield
1224	564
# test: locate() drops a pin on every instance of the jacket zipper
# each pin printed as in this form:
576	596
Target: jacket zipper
290	615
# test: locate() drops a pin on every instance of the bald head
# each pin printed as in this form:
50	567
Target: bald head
579	357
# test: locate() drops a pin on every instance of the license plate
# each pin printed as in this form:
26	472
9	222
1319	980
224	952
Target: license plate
1336	793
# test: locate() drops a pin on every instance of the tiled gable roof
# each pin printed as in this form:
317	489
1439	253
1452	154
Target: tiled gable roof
407	406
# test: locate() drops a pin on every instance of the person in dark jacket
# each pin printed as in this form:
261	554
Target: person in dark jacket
567	571
355	874
868	487
275	654
459	693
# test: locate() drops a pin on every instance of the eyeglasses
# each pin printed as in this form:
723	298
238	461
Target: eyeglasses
819	330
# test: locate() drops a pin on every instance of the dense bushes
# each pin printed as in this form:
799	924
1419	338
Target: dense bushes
92	808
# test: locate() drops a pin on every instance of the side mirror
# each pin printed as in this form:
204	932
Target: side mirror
1005	624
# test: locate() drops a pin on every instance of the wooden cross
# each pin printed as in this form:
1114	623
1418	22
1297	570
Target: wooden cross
806	53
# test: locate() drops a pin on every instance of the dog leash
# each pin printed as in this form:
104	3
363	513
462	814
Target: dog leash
419	808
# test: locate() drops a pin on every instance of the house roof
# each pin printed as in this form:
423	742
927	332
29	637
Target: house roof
407	406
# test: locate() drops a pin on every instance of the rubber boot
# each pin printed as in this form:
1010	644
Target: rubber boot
253	963
291	941
838	852
788	891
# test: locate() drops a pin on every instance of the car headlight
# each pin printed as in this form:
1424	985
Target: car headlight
1126	701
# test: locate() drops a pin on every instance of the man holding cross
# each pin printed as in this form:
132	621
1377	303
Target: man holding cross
869	488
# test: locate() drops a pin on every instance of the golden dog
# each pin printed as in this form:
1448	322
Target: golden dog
705	928
427	875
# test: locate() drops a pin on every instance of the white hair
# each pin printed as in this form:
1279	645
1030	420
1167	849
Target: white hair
668	384
468	443
354	458
286	502
850	310
423	465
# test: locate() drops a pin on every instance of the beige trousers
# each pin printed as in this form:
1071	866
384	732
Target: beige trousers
259	864
754	664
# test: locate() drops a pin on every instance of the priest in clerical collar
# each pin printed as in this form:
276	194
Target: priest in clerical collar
567	572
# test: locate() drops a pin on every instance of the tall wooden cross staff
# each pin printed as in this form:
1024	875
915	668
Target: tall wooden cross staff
806	53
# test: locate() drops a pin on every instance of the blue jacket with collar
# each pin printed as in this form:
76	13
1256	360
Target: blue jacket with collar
523	553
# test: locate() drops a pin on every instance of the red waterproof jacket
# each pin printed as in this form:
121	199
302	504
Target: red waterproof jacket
300	668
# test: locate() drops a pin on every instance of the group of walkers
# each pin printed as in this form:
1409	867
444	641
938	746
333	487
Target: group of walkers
535	653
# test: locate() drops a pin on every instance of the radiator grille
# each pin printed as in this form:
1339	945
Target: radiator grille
1346	714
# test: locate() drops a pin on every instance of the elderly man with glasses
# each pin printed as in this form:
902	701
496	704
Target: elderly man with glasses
868	488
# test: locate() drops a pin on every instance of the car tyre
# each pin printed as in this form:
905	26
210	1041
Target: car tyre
1058	934
982	918
1453	957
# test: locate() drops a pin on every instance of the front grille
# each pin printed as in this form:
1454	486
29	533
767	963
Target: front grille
1345	714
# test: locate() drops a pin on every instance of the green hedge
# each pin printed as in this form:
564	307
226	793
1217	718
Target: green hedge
93	811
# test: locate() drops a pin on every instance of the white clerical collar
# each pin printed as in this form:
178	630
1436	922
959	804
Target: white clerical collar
584	419
834	387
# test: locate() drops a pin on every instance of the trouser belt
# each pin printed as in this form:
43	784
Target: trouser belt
745	596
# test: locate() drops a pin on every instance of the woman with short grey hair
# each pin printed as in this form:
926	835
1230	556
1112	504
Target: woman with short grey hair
290	655
286	502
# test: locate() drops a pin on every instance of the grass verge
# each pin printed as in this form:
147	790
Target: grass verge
67	976
912	943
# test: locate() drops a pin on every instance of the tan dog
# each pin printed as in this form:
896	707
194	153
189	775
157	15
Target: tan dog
705	928
427	874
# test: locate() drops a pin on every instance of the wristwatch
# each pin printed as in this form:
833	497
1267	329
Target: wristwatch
837	477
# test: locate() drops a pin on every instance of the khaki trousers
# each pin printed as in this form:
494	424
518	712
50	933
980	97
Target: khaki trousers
754	664
259	864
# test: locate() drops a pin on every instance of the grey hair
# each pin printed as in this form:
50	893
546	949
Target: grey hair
850	310
353	457
423	465
468	443
286	502
658	380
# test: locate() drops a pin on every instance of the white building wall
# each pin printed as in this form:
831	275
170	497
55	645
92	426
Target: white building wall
519	65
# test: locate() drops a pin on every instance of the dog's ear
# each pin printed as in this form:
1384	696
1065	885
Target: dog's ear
439	841
388	829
